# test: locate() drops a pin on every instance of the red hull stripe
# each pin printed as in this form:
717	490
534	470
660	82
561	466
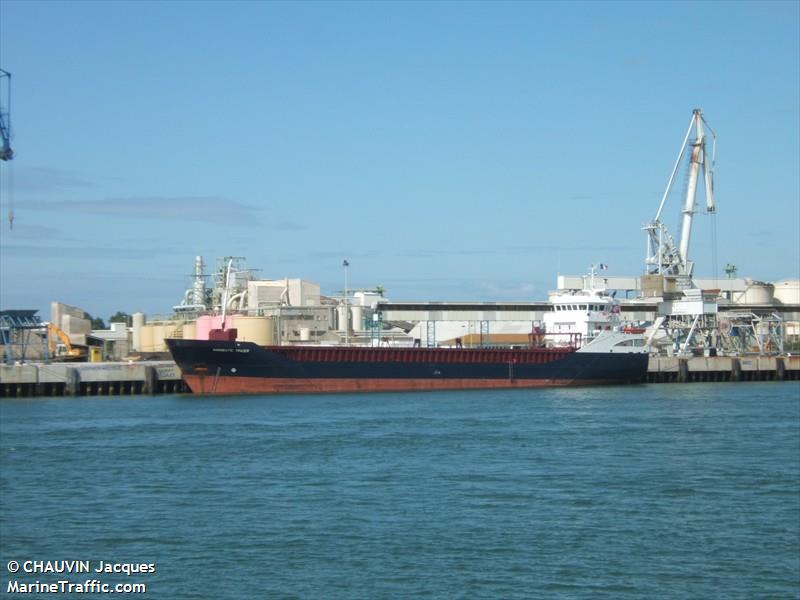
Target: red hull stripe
274	385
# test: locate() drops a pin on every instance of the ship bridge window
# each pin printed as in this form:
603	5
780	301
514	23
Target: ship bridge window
634	342
583	307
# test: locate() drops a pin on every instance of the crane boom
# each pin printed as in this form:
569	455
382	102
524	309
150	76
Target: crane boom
697	158
665	257
6	153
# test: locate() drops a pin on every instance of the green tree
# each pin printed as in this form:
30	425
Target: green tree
97	322
120	317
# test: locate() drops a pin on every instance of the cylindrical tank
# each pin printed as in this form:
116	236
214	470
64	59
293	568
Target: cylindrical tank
756	292
206	323
203	325
174	330
190	330
342	312
252	329
788	291
159	332
358	320
146	339
136	334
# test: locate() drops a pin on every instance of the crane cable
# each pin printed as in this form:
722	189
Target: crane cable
10	195
714	248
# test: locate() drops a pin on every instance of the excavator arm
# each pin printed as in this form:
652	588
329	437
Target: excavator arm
54	332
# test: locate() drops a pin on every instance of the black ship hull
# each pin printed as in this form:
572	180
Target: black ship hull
229	367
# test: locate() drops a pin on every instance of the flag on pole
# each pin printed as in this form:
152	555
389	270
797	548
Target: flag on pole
602	267
345	263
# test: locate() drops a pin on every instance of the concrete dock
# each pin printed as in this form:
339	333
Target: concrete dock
670	369
163	377
90	379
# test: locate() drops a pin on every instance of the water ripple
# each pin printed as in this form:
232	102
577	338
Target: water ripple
630	492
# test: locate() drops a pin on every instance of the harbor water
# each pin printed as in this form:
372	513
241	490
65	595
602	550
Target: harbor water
682	491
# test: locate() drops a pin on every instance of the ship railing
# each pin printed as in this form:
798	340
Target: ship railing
542	339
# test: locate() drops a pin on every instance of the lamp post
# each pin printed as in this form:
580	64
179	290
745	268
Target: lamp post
346	264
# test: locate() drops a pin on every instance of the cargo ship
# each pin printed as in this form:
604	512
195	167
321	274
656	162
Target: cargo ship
227	366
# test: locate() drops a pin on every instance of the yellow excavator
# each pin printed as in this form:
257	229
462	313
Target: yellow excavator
63	350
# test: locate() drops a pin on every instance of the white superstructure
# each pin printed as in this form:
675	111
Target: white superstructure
580	315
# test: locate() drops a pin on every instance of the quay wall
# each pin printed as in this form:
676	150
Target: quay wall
90	379
163	377
673	369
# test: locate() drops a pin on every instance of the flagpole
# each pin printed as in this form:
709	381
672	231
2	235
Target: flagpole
346	264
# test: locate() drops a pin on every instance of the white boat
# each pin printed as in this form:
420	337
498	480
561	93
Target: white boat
581	316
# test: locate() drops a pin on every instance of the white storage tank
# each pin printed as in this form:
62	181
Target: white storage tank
342	312
136	333
756	292
358	313
788	291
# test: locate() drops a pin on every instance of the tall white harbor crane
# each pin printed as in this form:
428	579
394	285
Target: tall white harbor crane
664	256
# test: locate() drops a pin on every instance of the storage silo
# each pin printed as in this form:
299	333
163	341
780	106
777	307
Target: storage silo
190	330
788	291
342	312
253	329
756	292
159	333
146	339
137	322
358	313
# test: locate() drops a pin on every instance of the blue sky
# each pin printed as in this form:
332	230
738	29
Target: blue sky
449	151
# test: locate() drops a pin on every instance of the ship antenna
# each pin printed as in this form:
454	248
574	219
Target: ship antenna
225	292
